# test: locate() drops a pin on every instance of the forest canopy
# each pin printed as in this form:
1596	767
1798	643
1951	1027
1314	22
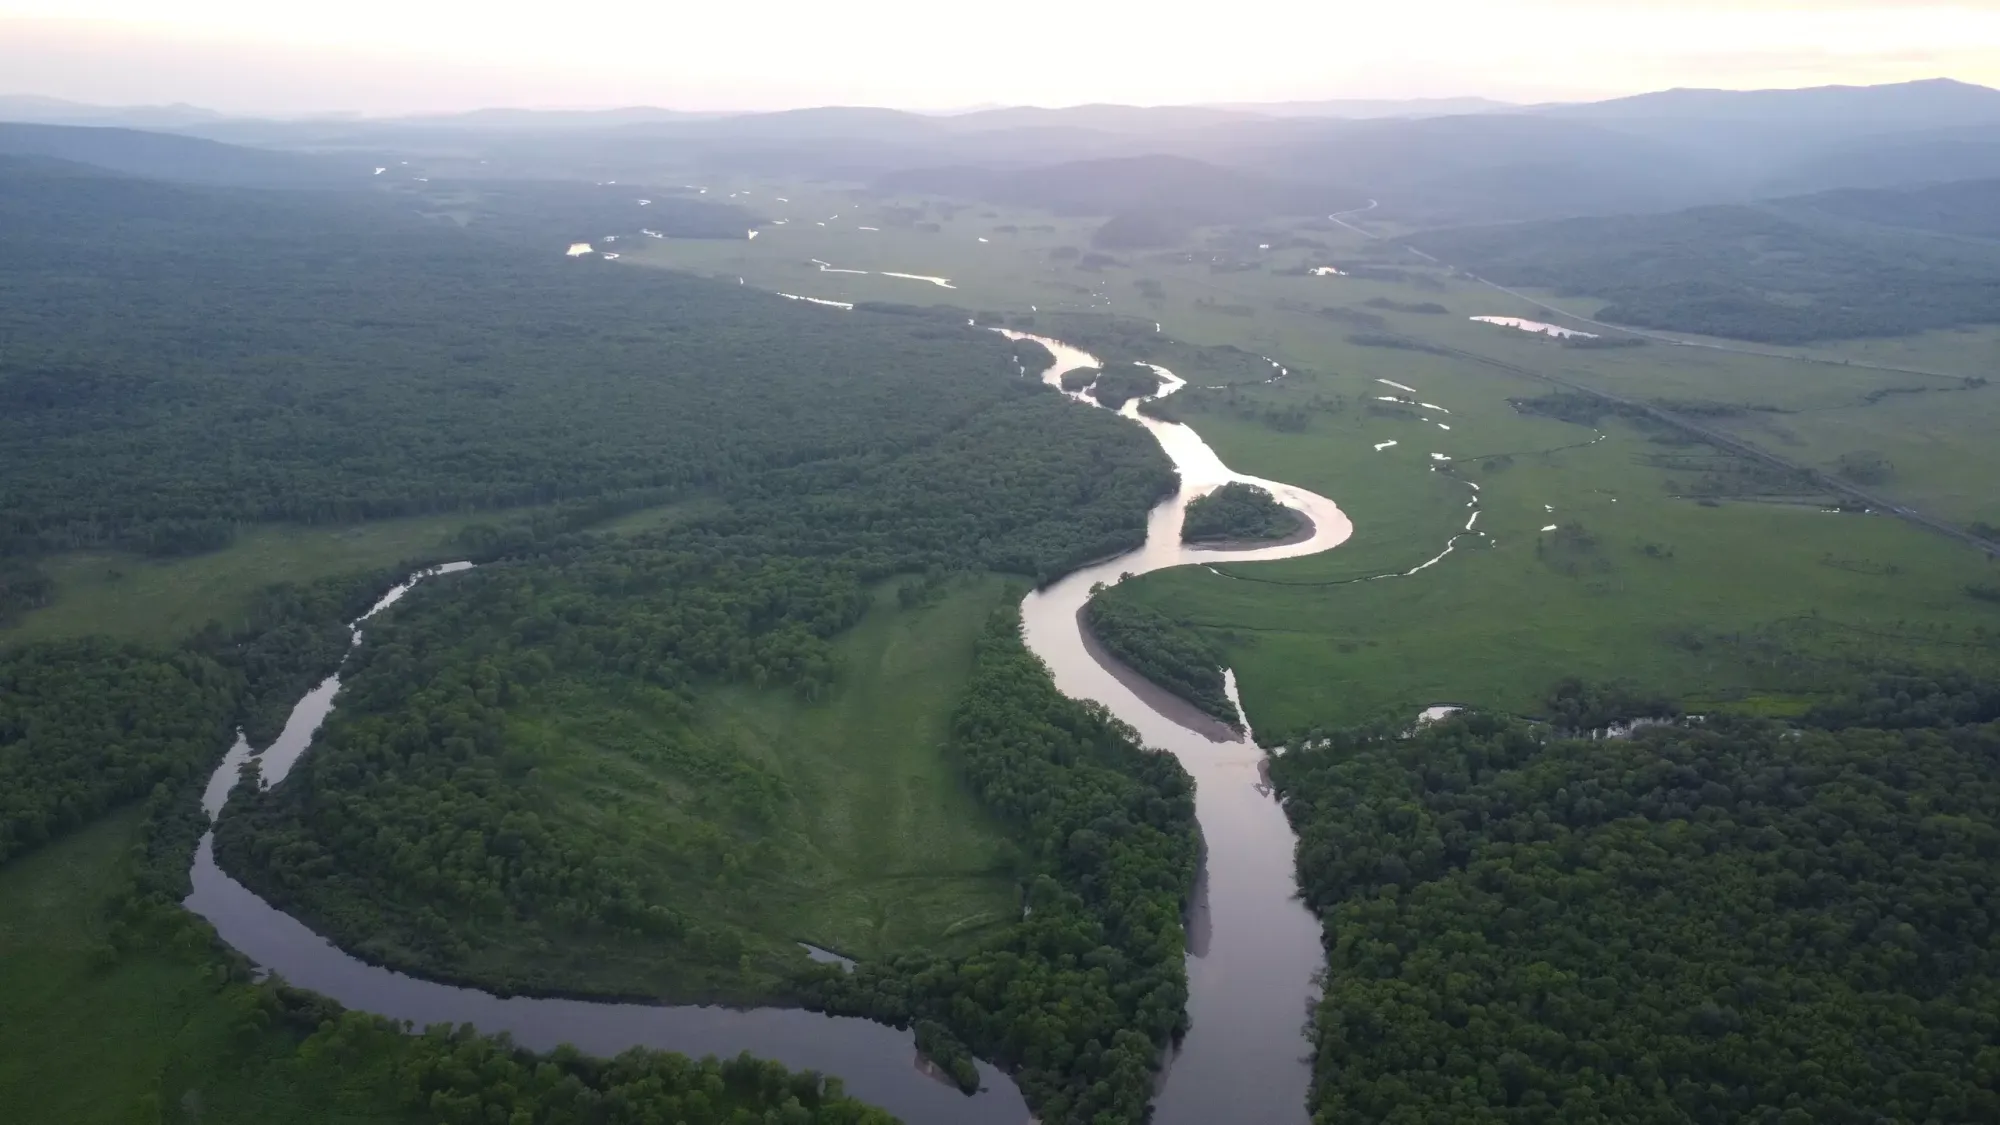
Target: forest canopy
1238	511
1719	922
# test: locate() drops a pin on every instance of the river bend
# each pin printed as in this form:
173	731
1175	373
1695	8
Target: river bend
1253	948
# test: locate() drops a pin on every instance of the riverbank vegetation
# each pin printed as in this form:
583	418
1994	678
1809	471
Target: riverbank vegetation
1119	385
120	1009
1238	511
89	726
1170	655
1726	920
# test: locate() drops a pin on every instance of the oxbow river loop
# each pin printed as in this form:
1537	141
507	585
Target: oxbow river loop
1253	948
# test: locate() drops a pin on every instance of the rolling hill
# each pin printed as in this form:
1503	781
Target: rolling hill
1788	271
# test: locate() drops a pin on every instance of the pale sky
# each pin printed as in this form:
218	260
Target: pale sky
392	56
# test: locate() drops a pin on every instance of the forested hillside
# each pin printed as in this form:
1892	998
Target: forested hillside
1786	272
1725	922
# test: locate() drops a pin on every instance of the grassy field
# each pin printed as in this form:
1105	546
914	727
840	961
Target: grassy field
839	822
1742	601
901	856
149	1038
162	601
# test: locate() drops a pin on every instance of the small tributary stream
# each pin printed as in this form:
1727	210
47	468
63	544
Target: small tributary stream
1253	948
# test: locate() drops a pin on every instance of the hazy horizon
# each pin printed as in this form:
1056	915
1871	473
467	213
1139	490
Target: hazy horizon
376	58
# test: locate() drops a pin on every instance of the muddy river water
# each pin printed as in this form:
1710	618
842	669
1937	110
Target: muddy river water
1253	948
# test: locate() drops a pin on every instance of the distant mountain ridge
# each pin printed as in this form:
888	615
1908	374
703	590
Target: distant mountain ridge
169	156
1427	165
1168	187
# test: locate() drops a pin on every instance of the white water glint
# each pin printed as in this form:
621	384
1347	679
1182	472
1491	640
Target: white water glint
1442	426
379	171
827	267
1253	948
782	199
1551	527
750	235
1535	326
1382	445
940	282
1328	271
867	228
645	203
1439	457
579	249
982	240
610	257
1433	406
814	300
1398	386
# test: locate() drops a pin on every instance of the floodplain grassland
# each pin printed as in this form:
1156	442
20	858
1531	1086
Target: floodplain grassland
162	601
90	1037
880	848
1686	569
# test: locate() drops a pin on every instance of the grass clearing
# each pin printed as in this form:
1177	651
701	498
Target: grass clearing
149	1037
162	601
902	856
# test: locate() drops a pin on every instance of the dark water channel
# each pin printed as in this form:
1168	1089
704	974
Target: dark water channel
1253	949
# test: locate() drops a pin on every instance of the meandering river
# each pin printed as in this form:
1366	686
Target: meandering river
1253	948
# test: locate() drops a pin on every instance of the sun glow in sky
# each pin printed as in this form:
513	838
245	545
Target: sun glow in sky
383	56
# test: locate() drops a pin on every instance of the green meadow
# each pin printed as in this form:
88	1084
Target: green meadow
1683	568
92	1038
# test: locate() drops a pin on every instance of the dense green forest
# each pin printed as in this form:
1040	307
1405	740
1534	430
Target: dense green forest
1784	272
1175	657
1238	511
1087	990
1726	921
334	358
87	726
1119	385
